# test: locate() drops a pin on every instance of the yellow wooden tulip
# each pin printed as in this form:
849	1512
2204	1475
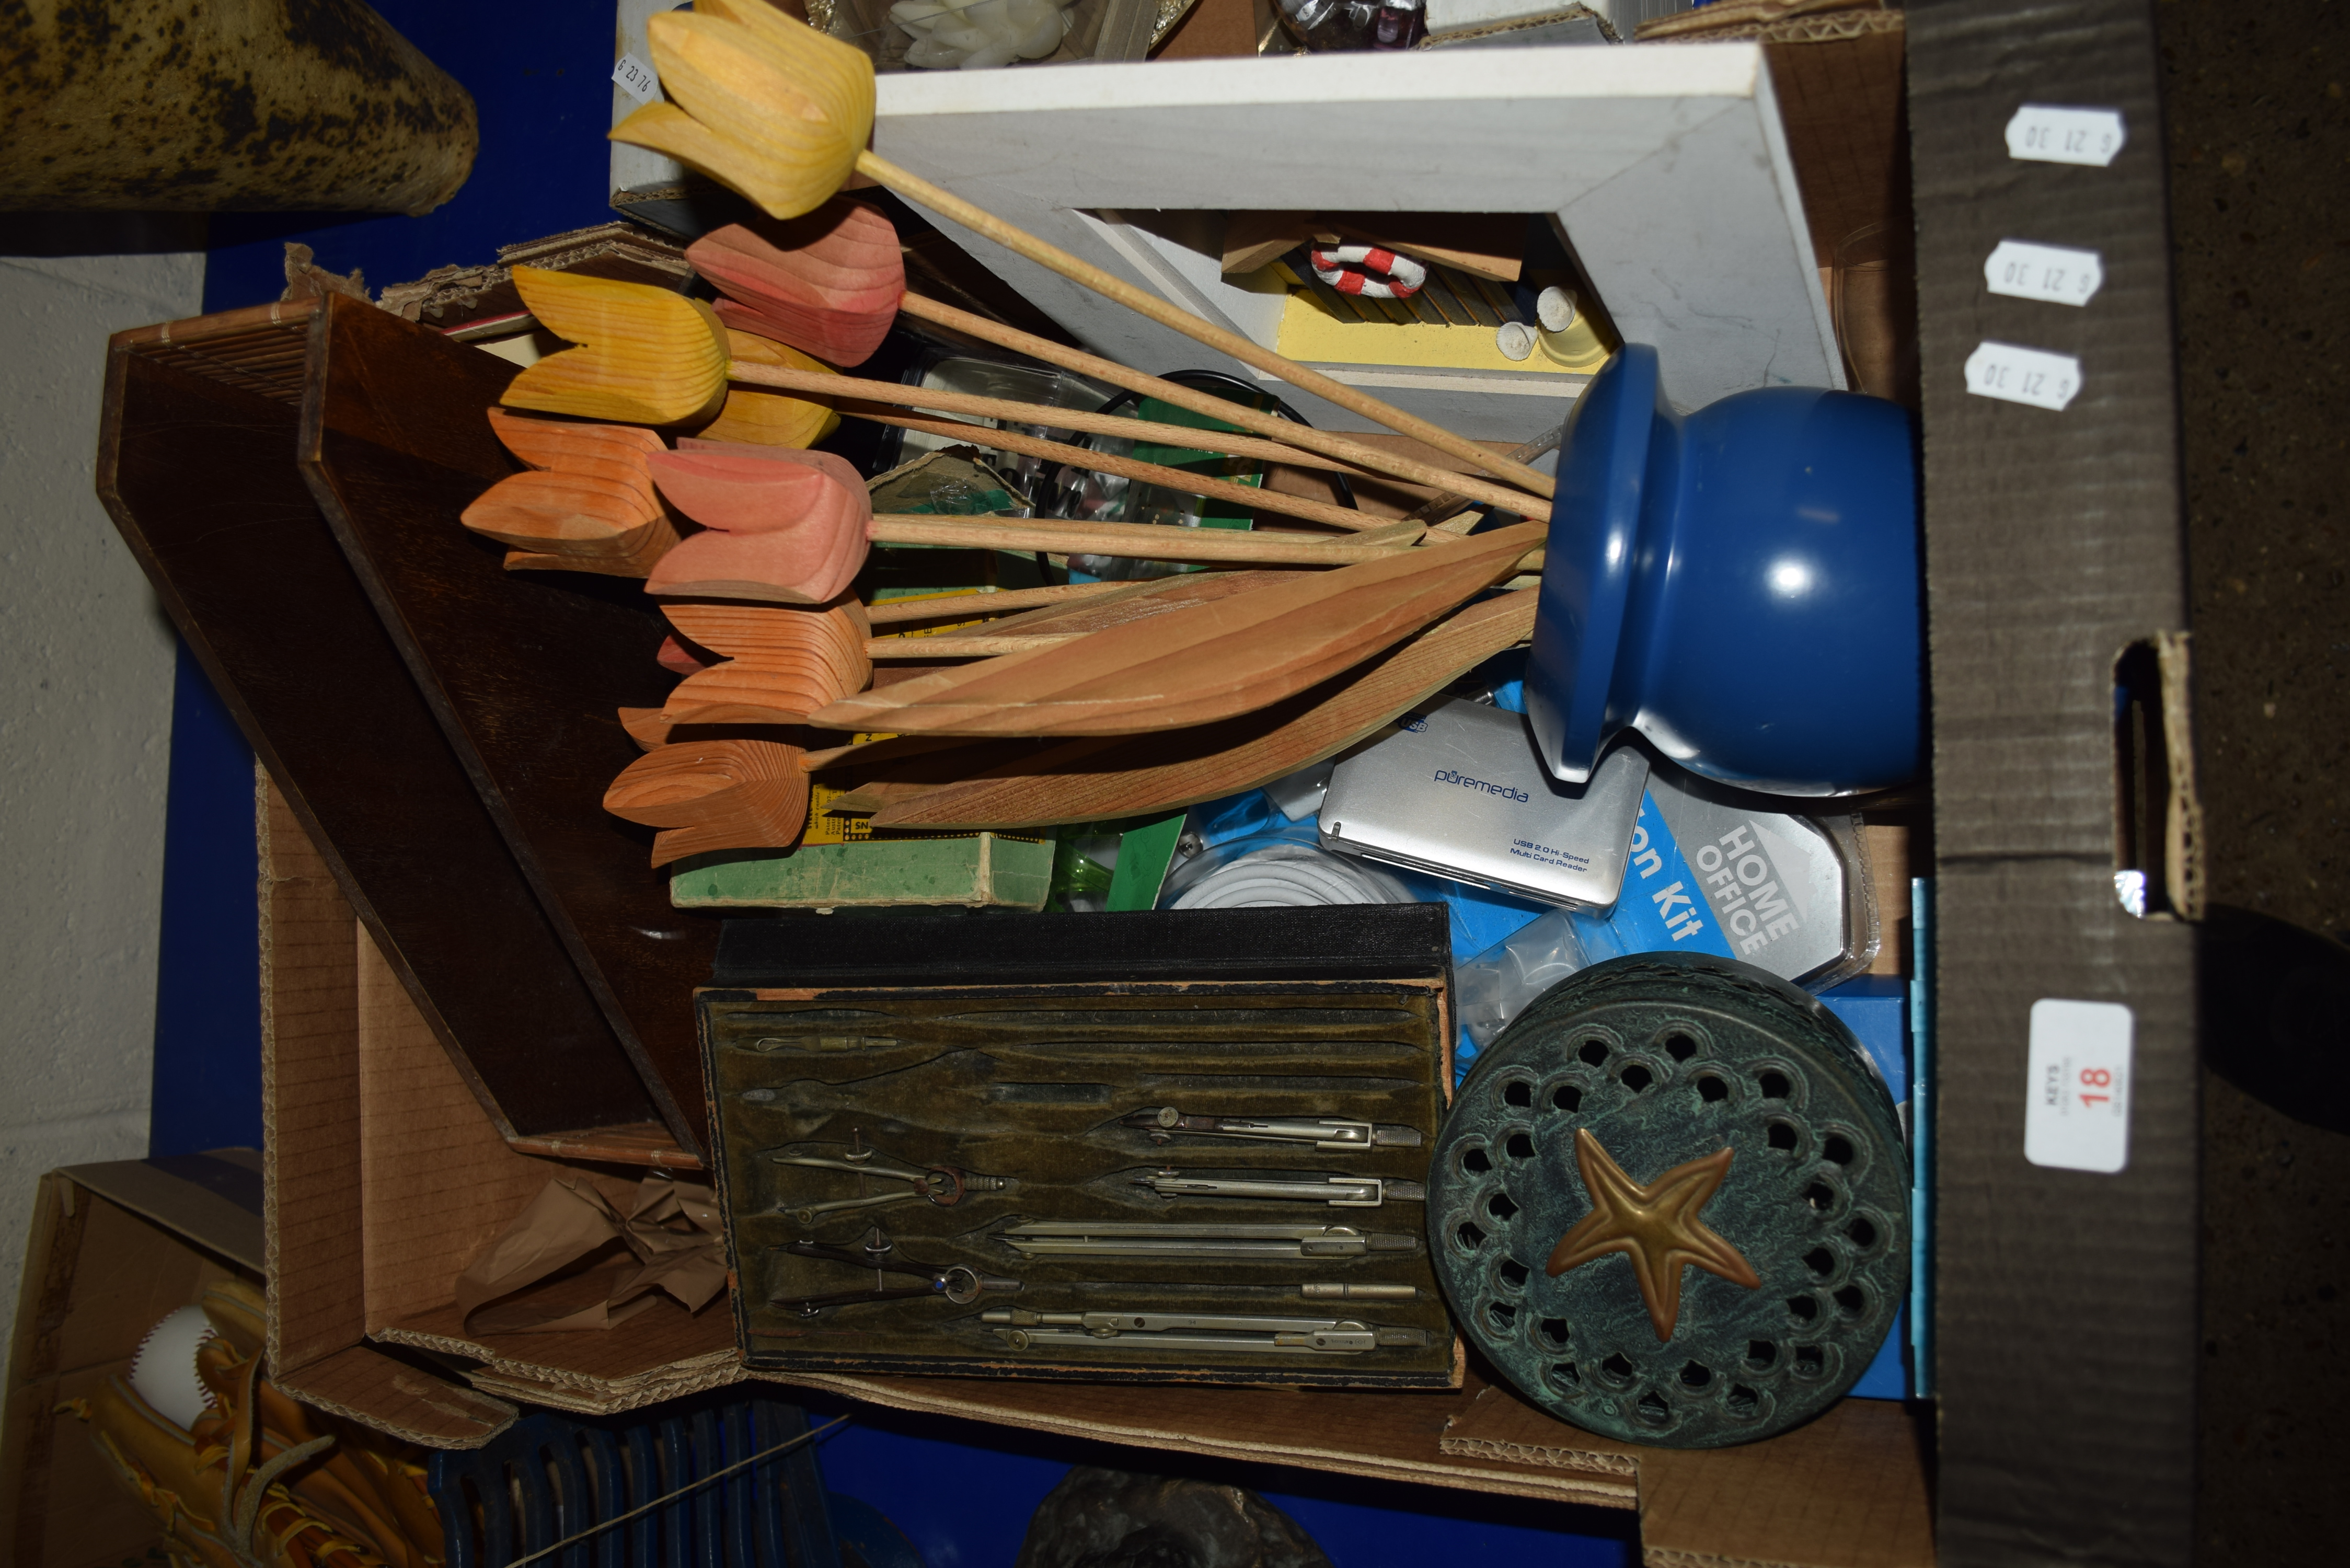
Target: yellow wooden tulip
769	419
646	355
757	100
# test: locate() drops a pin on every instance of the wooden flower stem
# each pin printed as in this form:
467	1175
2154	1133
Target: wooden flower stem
1328	443
963	606
914	188
825	384
1176	479
1259	547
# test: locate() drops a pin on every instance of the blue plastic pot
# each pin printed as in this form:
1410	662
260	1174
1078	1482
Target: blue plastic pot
1740	585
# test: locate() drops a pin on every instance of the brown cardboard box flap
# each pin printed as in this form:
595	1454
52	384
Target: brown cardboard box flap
1849	1488
371	1389
1358	1432
659	1354
213	1198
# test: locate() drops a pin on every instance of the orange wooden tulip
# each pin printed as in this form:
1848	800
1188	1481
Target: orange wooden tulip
714	795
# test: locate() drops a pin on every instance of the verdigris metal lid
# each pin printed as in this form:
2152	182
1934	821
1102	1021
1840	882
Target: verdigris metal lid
1670	1203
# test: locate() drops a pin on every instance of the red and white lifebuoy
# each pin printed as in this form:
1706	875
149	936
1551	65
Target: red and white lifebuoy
1367	270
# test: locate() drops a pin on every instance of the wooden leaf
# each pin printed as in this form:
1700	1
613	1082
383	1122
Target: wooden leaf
1211	661
645	355
782	662
781	525
1122	602
881	746
828	283
716	794
962	606
886	777
1089	782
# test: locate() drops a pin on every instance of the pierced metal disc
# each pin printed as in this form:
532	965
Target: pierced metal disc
1666	1061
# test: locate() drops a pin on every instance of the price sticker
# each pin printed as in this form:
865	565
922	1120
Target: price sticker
2054	133
2076	1102
2014	373
636	79
2056	274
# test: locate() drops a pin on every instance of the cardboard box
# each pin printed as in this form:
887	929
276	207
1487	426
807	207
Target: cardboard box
2052	544
384	1179
114	1248
2065	1332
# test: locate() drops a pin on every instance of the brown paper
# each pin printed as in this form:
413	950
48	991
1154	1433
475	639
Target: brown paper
530	1278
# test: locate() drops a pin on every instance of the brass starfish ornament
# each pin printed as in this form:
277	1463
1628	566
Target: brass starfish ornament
1657	1226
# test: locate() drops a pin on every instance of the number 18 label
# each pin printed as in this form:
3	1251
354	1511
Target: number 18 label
2077	1099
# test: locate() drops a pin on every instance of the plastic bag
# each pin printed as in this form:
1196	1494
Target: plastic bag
1498	983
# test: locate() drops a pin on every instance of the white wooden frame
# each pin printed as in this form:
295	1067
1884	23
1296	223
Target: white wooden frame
1665	165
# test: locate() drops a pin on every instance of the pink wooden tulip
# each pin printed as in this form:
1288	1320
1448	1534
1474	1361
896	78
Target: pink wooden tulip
828	284
779	524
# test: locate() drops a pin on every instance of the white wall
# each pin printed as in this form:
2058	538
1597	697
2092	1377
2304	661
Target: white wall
86	658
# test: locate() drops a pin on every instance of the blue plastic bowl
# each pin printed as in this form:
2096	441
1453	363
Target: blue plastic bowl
1740	585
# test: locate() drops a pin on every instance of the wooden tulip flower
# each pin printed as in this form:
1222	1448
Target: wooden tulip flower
781	113
765	418
828	283
769	106
779	663
779	524
587	506
619	372
714	795
645	356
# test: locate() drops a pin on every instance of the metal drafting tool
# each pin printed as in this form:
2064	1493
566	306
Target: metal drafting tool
1336	1291
1163	1122
879	1252
1124	1239
1294	1187
944	1185
1025	1330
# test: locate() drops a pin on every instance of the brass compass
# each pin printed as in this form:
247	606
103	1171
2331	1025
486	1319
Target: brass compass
1670	1203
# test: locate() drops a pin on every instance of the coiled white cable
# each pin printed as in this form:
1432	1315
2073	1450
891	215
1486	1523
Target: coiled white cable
1291	876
